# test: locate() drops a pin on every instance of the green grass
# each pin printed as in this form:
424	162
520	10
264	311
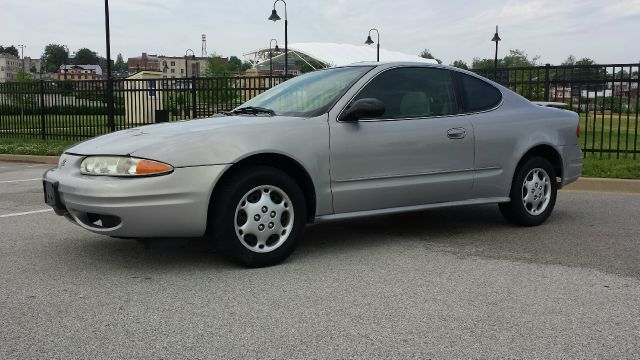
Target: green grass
598	131
33	146
611	168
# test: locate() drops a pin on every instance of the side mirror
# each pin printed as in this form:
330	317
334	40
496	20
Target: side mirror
363	108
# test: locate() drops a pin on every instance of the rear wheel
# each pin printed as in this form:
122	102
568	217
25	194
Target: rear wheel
257	215
533	193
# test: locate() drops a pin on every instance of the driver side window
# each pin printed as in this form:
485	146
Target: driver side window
413	92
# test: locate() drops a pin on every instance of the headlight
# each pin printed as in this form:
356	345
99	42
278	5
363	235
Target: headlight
122	166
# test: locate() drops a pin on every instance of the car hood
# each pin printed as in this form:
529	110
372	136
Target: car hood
192	142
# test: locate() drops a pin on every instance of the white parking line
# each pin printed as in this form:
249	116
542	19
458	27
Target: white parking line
25	213
15	181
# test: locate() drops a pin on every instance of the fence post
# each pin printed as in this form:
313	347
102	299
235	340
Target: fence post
43	135
193	97
546	81
111	124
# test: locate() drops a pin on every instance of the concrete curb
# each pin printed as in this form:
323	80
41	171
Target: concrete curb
30	159
626	186
583	184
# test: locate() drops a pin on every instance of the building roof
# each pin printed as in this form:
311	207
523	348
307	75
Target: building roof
96	68
145	74
344	54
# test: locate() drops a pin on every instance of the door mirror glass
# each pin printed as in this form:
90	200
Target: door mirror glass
362	109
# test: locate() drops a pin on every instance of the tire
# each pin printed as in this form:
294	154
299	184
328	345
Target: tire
256	216
533	193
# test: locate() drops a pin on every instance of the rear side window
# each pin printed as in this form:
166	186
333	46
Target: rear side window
413	92
479	95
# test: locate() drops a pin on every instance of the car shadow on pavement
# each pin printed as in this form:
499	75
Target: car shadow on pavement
429	226
461	230
478	231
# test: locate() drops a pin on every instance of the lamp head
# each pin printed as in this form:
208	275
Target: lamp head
369	41
496	38
274	16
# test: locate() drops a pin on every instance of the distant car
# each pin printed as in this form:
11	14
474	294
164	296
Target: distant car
360	140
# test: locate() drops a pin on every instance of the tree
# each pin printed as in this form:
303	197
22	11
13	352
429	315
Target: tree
246	65
102	62
11	50
235	64
460	64
571	60
484	64
85	56
216	67
516	58
519	58
590	76
22	76
55	56
585	61
427	55
120	65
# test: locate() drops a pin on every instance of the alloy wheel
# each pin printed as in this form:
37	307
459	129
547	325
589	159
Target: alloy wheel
264	218
536	191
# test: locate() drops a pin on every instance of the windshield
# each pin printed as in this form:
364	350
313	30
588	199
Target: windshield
310	94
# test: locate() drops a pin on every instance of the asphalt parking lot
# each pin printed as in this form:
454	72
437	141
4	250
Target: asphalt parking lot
454	283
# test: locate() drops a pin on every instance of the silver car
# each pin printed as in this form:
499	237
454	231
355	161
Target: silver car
360	140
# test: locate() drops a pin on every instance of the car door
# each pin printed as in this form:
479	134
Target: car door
420	151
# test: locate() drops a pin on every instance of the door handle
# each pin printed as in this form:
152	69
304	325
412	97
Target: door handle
456	133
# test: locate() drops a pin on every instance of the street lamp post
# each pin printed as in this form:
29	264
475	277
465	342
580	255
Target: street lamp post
186	61
495	39
43	63
65	61
275	17
22	55
271	60
110	117
369	42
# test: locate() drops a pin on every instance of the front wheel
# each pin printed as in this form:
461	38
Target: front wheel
257	215
533	193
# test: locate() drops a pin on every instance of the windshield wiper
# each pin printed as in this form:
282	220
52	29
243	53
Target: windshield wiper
252	110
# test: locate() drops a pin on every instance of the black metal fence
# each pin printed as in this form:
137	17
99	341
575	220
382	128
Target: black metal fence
605	96
75	110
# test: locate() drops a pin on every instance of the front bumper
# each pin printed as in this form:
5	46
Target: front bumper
173	205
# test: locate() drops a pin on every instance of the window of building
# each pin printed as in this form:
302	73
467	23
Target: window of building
173	63
413	92
173	71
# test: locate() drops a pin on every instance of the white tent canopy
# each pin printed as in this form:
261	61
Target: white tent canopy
345	54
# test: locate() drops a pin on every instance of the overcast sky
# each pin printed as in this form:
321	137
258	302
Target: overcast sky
606	30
